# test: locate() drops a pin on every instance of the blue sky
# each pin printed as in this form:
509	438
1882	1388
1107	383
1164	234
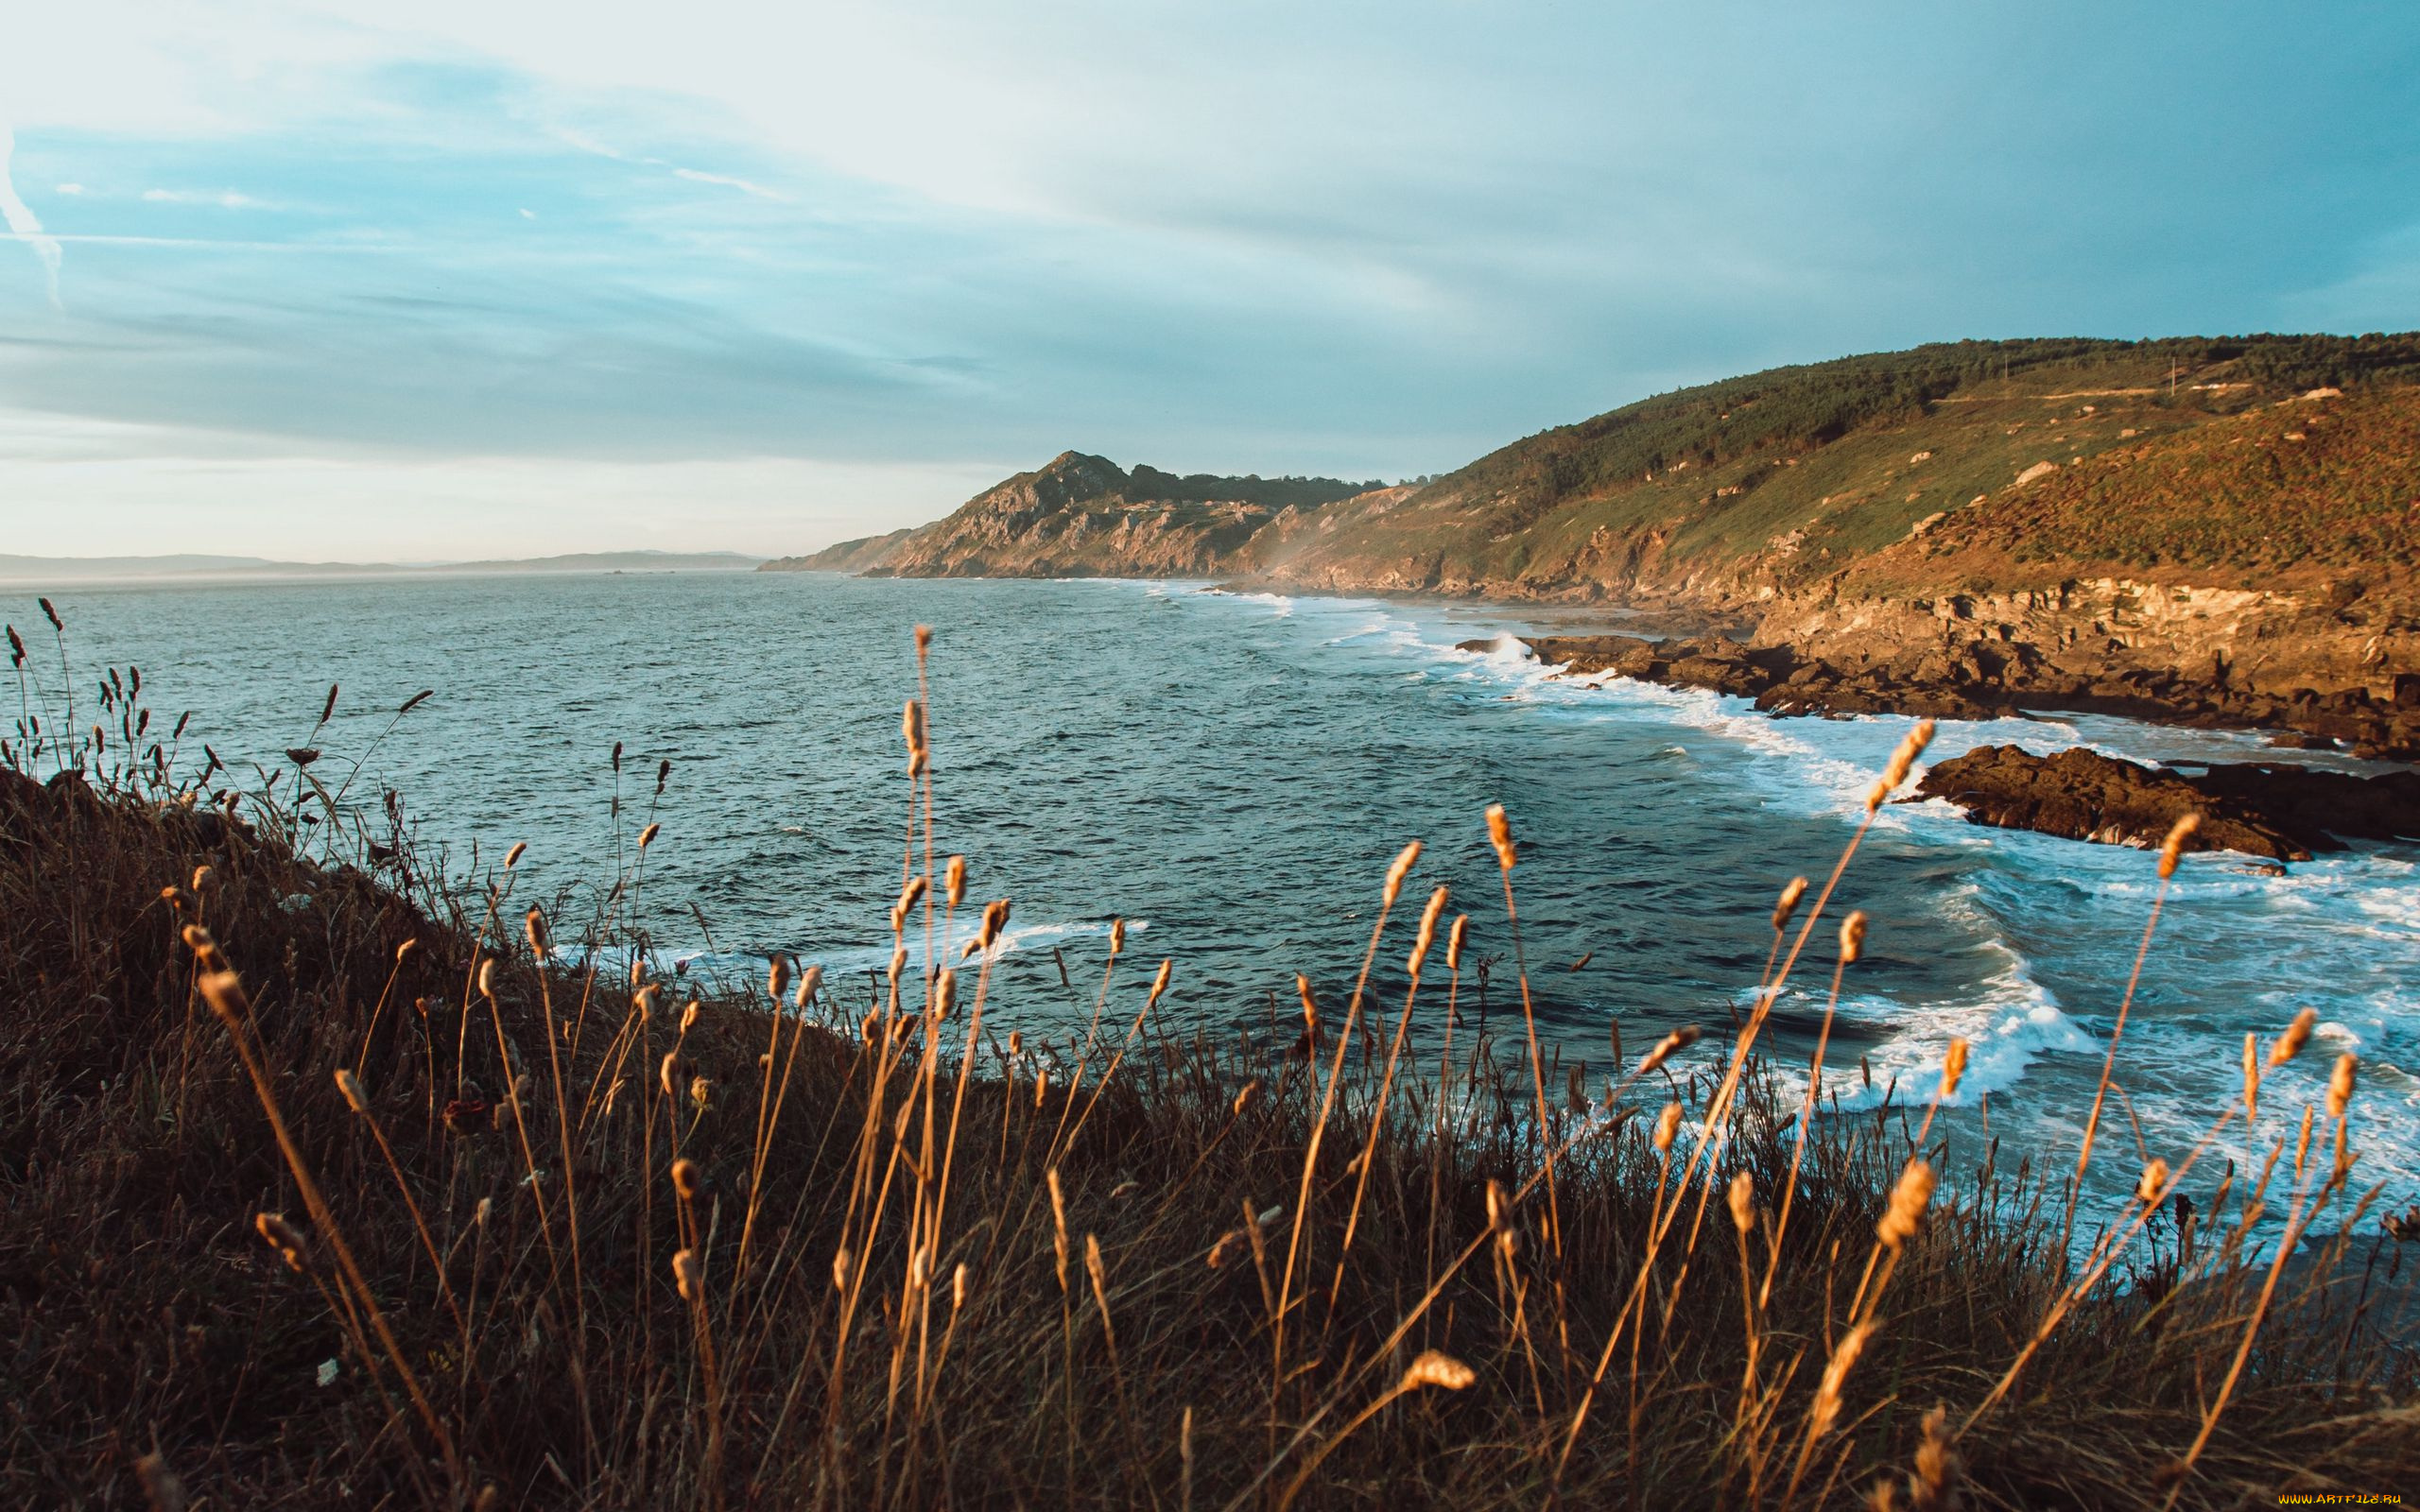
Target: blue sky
308	278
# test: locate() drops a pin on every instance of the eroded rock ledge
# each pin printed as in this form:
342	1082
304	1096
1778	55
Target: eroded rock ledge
2283	812
1979	685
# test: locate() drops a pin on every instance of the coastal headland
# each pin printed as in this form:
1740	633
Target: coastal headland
2221	533
2218	531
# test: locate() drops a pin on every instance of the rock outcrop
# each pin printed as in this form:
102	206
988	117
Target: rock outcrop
1984	678
2282	813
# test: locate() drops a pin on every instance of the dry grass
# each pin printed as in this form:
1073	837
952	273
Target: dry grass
569	1241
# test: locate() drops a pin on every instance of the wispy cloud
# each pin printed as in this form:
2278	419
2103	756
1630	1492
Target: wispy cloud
223	199
22	224
726	181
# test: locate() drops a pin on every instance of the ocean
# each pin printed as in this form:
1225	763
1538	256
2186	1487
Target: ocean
1232	773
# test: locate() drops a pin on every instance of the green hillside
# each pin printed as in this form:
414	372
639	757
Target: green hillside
1789	475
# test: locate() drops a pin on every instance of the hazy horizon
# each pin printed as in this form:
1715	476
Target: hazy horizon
295	279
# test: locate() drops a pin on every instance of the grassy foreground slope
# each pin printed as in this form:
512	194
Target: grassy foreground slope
332	1186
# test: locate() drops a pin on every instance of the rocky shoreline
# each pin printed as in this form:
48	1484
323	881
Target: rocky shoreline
1975	684
2282	813
2276	811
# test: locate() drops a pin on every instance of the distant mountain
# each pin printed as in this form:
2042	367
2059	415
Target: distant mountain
1085	516
39	570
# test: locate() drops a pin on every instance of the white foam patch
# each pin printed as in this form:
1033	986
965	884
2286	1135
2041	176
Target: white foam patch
2012	1022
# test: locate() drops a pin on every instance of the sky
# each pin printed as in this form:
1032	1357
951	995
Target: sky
330	280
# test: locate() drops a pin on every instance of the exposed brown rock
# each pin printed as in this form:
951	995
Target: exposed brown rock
1985	680
2283	812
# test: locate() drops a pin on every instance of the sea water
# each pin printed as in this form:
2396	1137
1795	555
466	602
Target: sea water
1232	772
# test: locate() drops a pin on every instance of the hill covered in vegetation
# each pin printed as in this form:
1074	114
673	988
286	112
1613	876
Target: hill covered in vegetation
2237	514
1086	516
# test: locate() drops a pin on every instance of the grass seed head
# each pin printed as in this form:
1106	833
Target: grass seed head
2154	1185
2340	1084
1434	1368
2250	1076
944	993
1499	834
1742	1197
1826	1410
1399	870
2297	1035
1792	892
689	1276
1908	1200
205	948
646	836
512	857
161	1484
1454	937
1058	1222
2188	824
995	921
906	904
356	1097
1934	1485
1117	937
281	1236
953	880
1670	1045
809	982
1853	938
1159	984
1427	936
1668	1124
686	1180
1902	760
1953	1068
224	993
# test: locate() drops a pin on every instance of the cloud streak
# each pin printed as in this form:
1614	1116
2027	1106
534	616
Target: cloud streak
223	199
22	224
726	181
